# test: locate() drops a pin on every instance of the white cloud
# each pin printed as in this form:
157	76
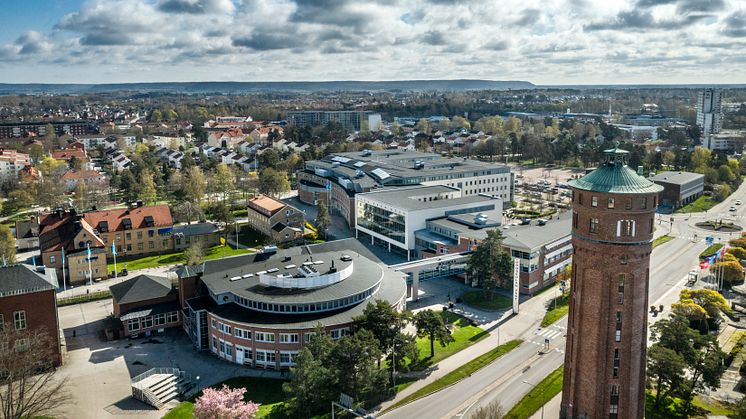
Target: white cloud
564	41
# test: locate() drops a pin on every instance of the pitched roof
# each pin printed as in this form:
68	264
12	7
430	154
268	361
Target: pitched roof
161	215
20	279
266	204
69	153
141	288
58	232
81	174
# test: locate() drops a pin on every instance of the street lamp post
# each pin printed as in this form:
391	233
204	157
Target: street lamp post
542	405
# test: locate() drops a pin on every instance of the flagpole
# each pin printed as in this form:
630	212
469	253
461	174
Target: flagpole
114	252
64	284
90	271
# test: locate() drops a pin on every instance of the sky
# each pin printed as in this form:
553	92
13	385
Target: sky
541	41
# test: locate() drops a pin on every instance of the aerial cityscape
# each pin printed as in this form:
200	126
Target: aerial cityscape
395	209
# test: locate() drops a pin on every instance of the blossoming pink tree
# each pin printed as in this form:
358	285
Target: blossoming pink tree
225	403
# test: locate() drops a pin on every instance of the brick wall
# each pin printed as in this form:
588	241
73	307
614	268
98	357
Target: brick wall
41	314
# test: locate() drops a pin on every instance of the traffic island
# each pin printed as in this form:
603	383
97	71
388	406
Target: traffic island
727	227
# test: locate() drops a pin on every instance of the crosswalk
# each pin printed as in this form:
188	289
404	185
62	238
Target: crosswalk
551	333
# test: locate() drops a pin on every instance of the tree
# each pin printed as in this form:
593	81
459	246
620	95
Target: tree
36	153
221	213
382	321
49	189
423	126
665	370
223	181
273	182
148	192
728	269
725	173
490	264
312	380
194	255
75	164
430	324
492	411
194	189
269	158
7	245
323	220
81	195
156	116
354	359
723	191
224	403
29	386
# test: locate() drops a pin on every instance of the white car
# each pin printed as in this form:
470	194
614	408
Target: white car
738	202
732	209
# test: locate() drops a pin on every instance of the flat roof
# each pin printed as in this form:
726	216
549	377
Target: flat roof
677	178
406	197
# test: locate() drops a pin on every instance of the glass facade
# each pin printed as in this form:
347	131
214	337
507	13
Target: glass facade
381	221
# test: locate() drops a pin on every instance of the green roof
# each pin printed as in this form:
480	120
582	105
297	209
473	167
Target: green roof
614	176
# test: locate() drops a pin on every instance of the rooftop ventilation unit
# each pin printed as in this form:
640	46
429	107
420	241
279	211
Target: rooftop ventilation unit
290	266
248	276
235	278
272	270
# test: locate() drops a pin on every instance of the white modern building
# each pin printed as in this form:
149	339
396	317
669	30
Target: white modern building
709	111
11	162
391	217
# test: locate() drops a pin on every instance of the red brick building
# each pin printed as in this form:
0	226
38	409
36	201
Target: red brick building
612	230
28	302
145	304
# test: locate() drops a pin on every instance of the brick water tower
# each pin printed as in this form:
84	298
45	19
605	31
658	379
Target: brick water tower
612	233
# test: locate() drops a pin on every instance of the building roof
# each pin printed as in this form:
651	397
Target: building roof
266	204
20	279
141	288
69	153
196	229
614	176
406	198
81	174
139	217
58	230
677	178
150	310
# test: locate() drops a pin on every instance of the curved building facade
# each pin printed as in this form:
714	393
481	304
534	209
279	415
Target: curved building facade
259	310
612	233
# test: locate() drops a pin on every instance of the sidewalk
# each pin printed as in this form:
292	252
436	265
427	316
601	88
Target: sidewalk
551	409
504	329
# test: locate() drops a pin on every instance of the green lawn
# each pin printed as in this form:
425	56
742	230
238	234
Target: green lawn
250	237
662	240
266	391
674	408
542	393
701	204
556	311
460	373
477	299
214	252
711	249
464	334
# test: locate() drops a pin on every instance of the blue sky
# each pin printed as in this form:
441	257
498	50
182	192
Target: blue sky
545	42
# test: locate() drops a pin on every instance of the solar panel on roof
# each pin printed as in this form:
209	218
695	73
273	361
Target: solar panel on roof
360	164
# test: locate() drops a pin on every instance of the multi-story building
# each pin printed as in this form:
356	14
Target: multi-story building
543	250
135	231
28	303
607	331
92	179
204	234
709	111
338	178
726	140
23	129
275	219
352	120
679	188
391	217
260	309
12	162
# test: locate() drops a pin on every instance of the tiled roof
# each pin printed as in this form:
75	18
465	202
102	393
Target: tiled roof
68	154
161	217
267	204
57	232
81	174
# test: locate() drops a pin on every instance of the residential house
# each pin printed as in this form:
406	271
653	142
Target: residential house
205	234
93	179
27	234
226	139
275	219
12	162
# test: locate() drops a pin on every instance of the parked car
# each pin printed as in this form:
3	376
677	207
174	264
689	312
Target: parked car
738	202
542	222
525	221
732	209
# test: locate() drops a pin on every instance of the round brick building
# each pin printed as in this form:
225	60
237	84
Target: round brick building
612	232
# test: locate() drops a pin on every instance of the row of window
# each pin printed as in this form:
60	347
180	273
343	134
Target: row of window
269	337
156	320
19	320
305	308
611	202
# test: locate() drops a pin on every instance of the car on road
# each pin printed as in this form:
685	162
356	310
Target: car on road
738	202
732	209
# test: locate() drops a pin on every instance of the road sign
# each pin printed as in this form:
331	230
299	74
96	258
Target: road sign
345	400
709	240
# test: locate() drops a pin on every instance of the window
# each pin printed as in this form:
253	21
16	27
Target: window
139	246
626	228
128	236
575	220
228	349
618	332
308	335
160	319
623	259
214	323
260	356
19	319
151	245
51	259
620	289
644	202
616	364
133	325
611	203
613	411
129	247
2	323
264	337
243	333
21	344
594	201
172	317
214	343
628	204
139	235
594	225
288	338
580	198
151	233
147	322
165	243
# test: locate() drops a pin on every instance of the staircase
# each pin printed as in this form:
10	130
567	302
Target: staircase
158	386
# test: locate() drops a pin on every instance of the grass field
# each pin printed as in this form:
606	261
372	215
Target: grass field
539	395
662	240
711	249
154	261
701	204
460	373
477	299
266	391
556	311
464	334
